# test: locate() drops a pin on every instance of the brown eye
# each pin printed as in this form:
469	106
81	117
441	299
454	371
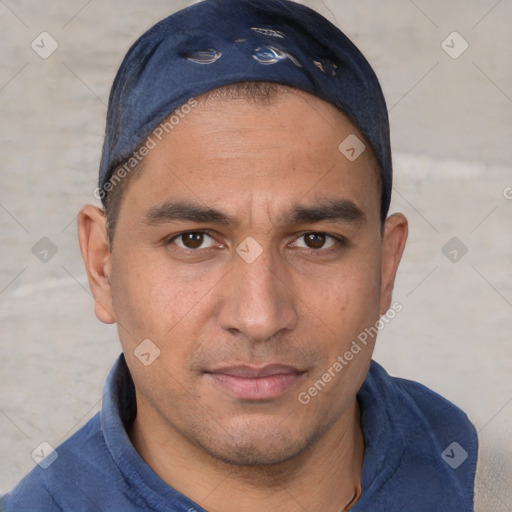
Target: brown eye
314	240
193	240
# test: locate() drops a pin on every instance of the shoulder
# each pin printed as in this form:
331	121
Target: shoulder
442	418
27	497
77	463
414	401
421	447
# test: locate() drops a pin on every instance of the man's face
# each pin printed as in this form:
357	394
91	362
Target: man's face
249	306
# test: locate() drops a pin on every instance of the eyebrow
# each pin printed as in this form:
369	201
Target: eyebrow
185	211
338	210
335	210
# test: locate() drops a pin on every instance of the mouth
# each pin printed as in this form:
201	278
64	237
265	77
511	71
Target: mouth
256	383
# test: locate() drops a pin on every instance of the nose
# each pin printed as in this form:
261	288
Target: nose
258	300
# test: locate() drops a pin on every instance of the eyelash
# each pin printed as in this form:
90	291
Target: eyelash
170	240
340	240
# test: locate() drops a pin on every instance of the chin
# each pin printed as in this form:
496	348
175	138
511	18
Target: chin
255	453
257	445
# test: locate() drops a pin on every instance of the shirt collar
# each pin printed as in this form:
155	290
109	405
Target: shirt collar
402	452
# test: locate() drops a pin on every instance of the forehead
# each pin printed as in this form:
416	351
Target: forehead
283	148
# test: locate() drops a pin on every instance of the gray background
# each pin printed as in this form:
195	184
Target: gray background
451	123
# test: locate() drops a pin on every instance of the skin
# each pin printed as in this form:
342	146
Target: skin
206	308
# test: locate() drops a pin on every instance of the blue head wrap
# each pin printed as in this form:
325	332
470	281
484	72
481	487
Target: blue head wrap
219	42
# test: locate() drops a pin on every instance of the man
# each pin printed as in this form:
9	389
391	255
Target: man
246	255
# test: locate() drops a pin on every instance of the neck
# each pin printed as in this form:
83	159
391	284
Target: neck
324	477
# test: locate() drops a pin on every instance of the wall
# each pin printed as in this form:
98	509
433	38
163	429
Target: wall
451	131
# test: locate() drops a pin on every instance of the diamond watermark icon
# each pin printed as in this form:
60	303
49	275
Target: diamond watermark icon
44	250
454	455
454	249
249	250
44	45
454	45
352	147
44	455
146	352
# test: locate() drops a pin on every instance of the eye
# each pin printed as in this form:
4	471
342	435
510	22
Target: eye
316	241
193	240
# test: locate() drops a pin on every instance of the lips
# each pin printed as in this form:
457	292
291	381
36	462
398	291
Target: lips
255	383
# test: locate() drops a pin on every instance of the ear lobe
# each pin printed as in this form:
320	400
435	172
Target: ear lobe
94	246
393	244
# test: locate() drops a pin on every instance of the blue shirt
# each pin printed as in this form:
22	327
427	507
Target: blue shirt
420	455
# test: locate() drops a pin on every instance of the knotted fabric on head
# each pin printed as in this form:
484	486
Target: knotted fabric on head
219	42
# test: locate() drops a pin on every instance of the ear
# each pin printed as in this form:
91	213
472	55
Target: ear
94	246
393	244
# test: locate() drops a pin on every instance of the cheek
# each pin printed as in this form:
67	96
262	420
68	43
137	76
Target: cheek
153	303
156	300
348	301
349	308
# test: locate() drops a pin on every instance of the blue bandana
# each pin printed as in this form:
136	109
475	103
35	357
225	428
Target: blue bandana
219	42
